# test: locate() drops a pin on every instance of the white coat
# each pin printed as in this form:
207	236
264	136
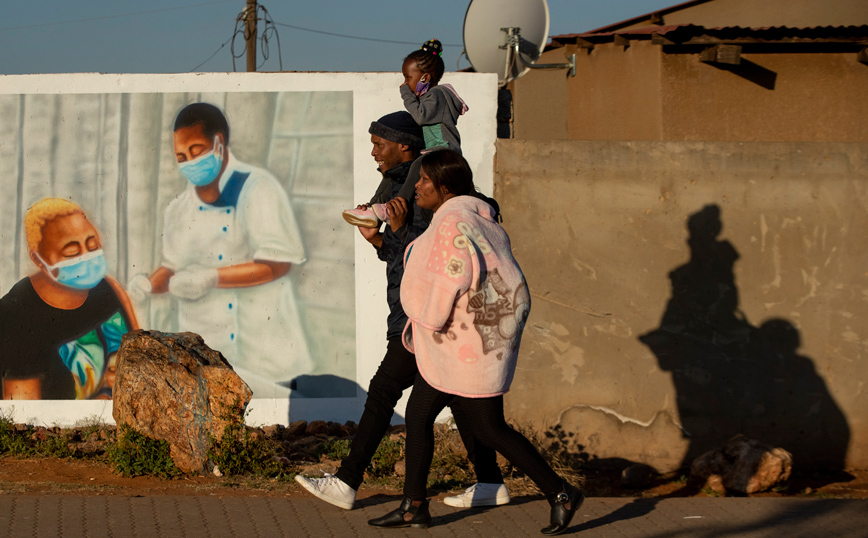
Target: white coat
257	328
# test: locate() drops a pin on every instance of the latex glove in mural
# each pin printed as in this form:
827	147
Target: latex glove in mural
193	283
139	288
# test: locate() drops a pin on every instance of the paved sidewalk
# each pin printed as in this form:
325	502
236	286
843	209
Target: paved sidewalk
76	516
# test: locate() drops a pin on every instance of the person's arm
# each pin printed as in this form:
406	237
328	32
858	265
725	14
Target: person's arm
395	241
125	302
160	280
372	236
253	273
426	109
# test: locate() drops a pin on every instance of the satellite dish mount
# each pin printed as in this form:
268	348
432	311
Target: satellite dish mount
517	47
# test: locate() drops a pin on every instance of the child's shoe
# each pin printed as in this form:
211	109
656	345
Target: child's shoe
381	211
363	218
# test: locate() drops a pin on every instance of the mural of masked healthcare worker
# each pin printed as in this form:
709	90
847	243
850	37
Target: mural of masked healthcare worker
61	327
229	240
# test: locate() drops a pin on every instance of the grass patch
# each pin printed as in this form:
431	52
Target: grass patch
33	442
333	449
387	455
238	453
133	454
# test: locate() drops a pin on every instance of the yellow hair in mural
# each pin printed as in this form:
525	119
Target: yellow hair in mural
42	212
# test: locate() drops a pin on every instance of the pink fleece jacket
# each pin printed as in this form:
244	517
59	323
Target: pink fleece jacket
466	299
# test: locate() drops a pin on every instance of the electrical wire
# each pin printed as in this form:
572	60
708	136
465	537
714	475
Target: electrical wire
215	54
120	15
355	36
269	30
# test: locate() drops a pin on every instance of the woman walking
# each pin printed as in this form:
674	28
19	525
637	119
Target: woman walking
467	302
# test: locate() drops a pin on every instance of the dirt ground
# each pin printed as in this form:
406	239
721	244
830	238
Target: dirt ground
83	477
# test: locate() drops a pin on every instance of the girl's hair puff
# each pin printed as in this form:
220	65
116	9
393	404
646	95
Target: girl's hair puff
429	59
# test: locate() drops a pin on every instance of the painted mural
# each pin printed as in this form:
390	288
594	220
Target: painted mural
212	213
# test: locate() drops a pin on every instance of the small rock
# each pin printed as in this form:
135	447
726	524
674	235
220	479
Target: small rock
316	469
306	441
216	471
317	427
745	465
637	476
295	429
400	468
334	429
90	448
715	484
273	431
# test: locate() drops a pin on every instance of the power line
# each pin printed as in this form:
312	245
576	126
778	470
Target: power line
215	54
354	36
115	16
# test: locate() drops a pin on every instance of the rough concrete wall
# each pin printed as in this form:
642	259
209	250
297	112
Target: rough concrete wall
774	97
686	292
615	95
643	93
540	103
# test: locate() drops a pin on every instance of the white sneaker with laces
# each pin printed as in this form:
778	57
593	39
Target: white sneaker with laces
480	495
331	489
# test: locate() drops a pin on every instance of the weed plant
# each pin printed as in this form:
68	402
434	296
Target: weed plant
238	453
133	454
20	444
450	468
333	449
388	453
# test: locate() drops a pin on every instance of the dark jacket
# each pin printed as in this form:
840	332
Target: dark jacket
392	251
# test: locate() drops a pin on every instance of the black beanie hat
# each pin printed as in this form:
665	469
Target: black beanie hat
399	127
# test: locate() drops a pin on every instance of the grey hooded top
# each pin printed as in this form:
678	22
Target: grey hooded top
436	111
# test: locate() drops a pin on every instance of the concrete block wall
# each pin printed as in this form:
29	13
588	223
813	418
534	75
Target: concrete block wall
685	292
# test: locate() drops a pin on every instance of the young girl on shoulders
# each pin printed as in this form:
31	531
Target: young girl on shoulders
435	107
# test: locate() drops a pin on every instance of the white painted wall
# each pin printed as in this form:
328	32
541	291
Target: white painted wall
374	95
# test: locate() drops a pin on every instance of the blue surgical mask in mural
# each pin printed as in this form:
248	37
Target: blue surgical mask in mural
206	167
82	273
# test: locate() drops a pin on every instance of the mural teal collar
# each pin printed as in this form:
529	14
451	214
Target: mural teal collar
231	190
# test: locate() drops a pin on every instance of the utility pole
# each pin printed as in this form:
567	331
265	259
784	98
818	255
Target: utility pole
250	35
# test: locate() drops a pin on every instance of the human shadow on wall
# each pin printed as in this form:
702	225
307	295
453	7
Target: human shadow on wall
731	377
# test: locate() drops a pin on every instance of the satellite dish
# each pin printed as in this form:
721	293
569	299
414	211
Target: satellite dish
507	36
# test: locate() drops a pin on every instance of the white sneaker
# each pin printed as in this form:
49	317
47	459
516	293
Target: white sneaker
331	489
480	495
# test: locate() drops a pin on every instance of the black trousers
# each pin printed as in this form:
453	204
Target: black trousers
484	417
396	373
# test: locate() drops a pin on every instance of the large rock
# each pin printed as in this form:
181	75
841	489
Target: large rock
175	388
744	465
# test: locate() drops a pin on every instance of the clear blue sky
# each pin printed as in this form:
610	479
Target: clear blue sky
176	36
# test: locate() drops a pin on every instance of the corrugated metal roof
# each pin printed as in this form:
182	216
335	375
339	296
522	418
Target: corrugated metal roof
645	17
693	34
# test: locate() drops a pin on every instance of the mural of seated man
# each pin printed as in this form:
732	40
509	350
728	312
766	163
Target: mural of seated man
61	327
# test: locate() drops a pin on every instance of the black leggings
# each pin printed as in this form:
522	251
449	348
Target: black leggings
484	416
397	372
